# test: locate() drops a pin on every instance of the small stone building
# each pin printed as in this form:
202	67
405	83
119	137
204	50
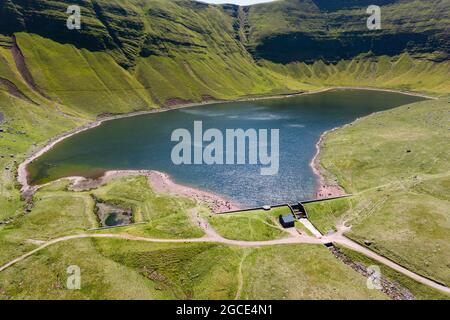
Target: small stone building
287	221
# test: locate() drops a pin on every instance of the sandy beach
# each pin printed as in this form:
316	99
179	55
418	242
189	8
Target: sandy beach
160	183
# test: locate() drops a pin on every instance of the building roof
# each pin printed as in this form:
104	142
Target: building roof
288	218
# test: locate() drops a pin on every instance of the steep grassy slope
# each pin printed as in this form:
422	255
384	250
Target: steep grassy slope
89	82
134	55
191	53
397	165
400	72
25	126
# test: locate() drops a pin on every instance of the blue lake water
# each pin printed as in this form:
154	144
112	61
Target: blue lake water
144	142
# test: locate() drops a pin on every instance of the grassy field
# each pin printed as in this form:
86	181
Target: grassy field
55	214
328	214
44	276
397	165
256	225
118	269
164	216
401	72
64	212
123	269
189	271
301	271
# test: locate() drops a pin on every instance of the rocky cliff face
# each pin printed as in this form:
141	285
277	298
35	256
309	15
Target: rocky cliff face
282	32
144	52
332	30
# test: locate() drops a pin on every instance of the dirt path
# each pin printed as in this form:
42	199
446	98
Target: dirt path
340	239
212	237
359	248
205	239
240	277
202	223
407	182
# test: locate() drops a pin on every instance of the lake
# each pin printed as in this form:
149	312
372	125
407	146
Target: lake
144	142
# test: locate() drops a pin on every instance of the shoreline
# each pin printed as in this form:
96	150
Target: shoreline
408	93
27	190
159	182
162	183
325	188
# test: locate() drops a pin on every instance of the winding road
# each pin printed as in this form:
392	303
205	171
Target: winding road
211	236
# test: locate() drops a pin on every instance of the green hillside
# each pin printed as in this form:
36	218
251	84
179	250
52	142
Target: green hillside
397	164
139	55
